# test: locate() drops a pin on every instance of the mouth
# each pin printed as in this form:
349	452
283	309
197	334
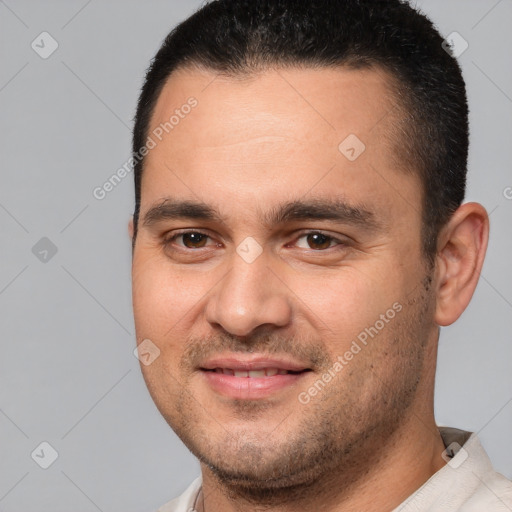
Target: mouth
254	374
254	378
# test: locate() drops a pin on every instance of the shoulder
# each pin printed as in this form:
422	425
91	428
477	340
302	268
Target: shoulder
467	483
493	494
184	502
487	489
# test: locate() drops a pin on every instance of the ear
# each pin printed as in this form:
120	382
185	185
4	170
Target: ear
130	228
460	255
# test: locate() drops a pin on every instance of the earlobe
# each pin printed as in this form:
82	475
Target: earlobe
461	250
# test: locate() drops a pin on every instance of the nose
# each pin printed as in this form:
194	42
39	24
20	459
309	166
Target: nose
249	296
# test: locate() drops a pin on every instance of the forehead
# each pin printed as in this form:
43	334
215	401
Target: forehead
286	132
306	102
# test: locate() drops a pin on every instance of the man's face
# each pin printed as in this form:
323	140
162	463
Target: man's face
255	304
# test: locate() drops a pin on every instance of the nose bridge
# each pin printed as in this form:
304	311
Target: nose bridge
248	296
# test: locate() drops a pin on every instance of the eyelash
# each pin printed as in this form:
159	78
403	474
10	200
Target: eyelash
168	241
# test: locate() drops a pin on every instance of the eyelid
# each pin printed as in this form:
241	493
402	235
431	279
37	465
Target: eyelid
168	238
321	232
175	234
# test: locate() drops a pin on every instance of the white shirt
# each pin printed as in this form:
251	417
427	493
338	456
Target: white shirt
467	483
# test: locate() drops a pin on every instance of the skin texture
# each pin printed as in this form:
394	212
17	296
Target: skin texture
250	145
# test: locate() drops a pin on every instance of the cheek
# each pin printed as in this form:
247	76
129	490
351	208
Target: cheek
160	307
157	297
165	301
346	299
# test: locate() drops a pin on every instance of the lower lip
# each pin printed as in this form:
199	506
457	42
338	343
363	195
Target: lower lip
250	388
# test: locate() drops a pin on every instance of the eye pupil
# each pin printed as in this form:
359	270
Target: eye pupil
319	239
195	239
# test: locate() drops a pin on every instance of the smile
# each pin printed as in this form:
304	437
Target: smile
250	377
253	374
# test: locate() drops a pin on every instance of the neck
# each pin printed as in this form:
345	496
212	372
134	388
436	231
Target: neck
397	467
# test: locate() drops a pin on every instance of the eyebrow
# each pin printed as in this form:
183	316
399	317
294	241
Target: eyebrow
337	210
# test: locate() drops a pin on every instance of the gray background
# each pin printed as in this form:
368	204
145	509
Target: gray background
68	374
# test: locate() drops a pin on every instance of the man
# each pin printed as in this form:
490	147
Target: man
299	238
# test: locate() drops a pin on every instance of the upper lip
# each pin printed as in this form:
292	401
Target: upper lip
240	363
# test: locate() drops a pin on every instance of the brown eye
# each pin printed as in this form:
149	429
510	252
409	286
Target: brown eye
194	240
318	241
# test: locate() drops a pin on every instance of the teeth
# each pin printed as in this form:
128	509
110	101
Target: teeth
257	373
264	372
